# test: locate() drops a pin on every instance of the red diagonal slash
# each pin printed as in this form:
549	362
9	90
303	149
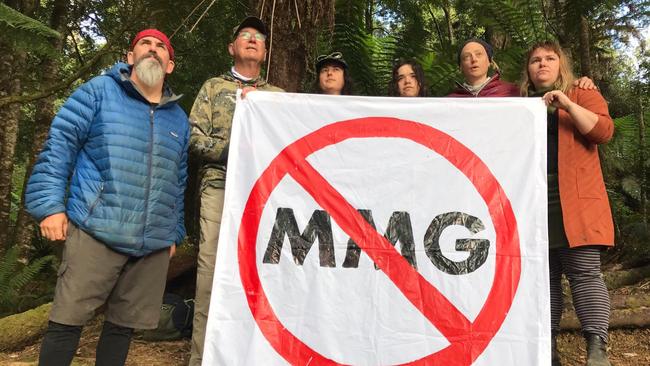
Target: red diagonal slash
467	339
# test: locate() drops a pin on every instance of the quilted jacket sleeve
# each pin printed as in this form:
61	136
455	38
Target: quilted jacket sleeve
180	200
46	188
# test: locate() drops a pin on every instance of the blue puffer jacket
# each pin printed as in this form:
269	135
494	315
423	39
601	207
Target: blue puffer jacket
125	161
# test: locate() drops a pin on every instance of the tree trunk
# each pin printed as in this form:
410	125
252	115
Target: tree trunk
585	48
559	21
24	231
642	163
294	27
441	39
10	84
24	228
11	64
450	30
369	13
44	114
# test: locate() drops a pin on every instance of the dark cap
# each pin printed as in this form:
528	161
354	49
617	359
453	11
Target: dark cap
251	22
488	48
332	58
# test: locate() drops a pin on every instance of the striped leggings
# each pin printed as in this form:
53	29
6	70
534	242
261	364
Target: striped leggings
590	297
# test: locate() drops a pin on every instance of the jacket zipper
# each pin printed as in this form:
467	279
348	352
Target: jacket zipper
148	184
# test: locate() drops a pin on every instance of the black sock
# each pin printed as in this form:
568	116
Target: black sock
59	344
113	345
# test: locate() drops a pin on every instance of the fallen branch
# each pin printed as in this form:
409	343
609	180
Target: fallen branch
617	279
183	261
619	318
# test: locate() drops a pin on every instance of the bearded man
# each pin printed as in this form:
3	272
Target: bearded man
110	182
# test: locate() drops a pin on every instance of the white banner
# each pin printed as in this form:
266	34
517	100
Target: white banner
383	231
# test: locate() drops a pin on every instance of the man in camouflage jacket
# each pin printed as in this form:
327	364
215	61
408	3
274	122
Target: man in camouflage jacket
211	119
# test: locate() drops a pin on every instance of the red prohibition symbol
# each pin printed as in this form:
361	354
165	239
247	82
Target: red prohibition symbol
467	339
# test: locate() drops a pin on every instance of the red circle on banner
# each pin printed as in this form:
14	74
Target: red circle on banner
467	339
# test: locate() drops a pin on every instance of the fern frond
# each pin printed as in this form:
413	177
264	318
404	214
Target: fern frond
8	263
25	32
27	273
13	279
15	19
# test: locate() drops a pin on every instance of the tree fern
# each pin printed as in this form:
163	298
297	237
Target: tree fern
522	21
441	72
25	32
358	46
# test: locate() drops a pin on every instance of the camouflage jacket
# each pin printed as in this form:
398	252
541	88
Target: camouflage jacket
211	120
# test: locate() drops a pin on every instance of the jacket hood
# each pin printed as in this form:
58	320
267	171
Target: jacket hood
121	73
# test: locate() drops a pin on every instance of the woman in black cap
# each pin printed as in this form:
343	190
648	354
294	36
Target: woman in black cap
333	75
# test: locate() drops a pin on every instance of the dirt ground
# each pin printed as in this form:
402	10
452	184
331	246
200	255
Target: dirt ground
141	353
627	348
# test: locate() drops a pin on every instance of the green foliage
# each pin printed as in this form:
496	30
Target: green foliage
25	32
625	166
441	72
522	21
203	52
367	55
372	34
14	277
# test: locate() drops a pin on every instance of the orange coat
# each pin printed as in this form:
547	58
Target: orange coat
585	208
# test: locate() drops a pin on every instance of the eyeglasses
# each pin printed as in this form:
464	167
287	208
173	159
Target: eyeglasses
331	56
245	35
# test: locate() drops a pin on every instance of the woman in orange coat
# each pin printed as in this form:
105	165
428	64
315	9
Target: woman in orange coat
579	216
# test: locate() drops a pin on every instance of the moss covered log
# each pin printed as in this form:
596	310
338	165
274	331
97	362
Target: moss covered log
19	330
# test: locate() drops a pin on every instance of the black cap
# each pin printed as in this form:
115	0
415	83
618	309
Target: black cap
251	22
332	58
488	48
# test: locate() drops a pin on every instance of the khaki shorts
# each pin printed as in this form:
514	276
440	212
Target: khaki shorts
91	275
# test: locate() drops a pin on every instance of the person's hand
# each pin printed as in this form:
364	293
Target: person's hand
585	83
246	90
55	227
557	99
172	250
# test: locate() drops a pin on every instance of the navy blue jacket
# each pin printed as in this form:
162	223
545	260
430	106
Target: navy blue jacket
116	164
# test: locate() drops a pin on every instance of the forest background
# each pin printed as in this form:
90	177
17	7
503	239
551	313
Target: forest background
49	47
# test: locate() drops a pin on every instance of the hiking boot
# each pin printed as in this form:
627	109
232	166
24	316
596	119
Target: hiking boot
555	354
596	351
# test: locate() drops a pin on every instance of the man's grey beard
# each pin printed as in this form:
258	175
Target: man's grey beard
149	70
